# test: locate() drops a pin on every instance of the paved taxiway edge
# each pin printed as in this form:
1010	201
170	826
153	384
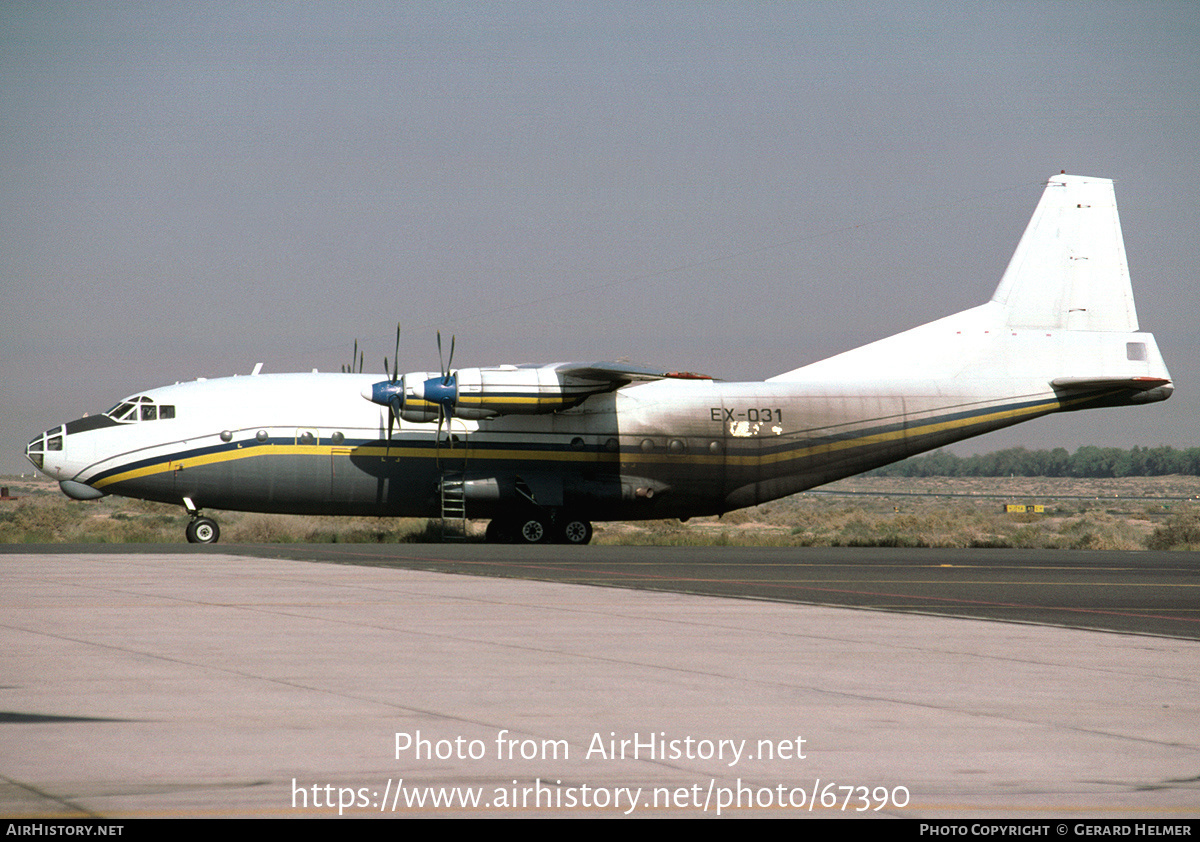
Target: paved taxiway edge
212	685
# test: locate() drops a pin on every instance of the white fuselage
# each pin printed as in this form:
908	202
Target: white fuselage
600	441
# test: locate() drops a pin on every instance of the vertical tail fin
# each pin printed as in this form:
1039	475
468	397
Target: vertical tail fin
1069	271
1062	317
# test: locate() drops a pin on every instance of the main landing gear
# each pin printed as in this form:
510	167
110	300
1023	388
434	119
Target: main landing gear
539	527
201	530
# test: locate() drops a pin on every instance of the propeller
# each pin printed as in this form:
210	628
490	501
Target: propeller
396	402
356	355
446	396
446	367
441	389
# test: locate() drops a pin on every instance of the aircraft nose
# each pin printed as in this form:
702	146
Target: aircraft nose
44	449
49	454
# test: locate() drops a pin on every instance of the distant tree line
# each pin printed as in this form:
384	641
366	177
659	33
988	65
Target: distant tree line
1088	461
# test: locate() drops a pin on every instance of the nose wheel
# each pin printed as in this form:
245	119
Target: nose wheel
203	530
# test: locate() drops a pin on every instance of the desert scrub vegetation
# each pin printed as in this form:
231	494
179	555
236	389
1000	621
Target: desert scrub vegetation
251	528
1180	532
47	517
52	519
1160	513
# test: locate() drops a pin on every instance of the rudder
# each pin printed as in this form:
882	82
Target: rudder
1069	271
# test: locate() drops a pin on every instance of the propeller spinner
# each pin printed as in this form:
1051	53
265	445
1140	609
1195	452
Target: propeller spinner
390	392
444	390
413	396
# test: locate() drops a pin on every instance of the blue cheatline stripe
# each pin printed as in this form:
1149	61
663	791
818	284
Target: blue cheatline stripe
790	447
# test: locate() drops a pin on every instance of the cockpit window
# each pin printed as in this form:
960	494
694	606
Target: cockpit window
140	408
123	412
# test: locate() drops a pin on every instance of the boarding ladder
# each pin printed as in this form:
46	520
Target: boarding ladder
452	466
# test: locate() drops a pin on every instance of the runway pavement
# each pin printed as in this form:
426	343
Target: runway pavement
196	682
1143	592
1140	592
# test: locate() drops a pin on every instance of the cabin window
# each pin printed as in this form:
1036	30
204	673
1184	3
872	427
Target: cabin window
166	411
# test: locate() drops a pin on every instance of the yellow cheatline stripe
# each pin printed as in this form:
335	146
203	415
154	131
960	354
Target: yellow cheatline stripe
478	452
894	435
493	400
171	463
506	399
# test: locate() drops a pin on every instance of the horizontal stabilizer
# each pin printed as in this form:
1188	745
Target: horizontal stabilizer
1138	383
1069	271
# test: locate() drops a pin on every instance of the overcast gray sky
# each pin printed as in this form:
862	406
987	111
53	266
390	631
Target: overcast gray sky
737	188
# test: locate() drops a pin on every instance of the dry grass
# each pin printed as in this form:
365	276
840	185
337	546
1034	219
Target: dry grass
1113	514
1116	514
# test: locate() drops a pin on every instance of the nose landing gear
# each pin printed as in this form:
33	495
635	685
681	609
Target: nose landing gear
201	530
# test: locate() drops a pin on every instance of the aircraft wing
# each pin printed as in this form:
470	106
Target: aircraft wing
620	374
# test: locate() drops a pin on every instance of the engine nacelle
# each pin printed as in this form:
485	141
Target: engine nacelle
503	390
477	393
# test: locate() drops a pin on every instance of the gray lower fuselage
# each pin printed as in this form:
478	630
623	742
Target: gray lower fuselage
656	450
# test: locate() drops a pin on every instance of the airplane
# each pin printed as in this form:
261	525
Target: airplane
543	451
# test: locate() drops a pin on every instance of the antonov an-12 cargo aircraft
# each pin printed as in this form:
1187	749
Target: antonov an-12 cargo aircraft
542	451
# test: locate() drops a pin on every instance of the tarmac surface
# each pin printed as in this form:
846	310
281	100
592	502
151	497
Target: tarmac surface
179	682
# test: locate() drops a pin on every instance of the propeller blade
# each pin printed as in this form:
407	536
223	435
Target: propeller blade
396	357
443	416
393	413
449	364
